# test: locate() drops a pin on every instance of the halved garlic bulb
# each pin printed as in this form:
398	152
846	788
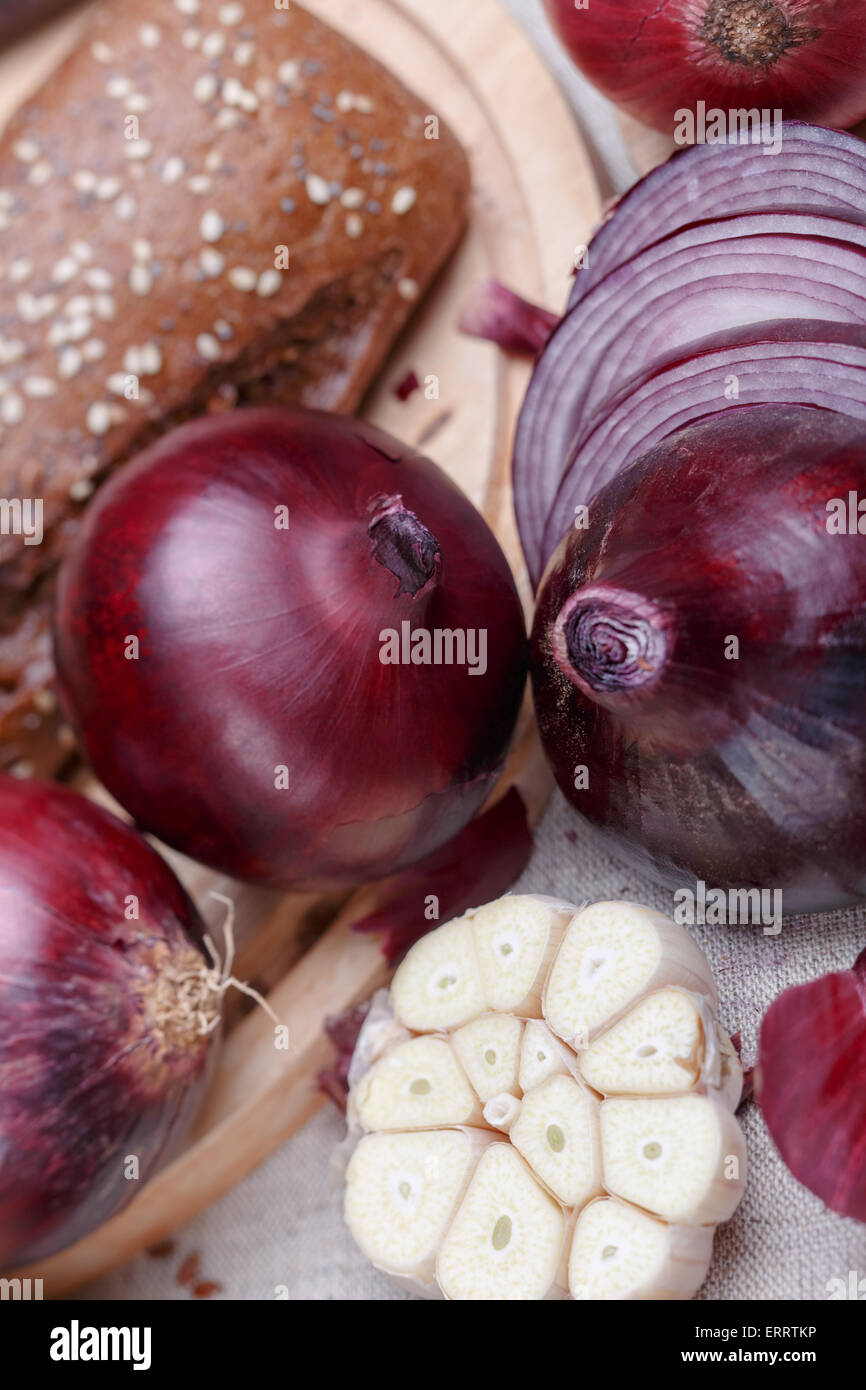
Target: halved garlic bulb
563	1119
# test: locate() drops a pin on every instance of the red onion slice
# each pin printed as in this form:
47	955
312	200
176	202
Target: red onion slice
826	370
818	169
703	280
646	312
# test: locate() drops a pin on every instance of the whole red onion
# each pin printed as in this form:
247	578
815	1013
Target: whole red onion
224	638
699	657
805	58
104	999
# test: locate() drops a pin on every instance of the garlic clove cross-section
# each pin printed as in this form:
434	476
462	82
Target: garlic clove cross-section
417	1085
612	954
681	1157
506	1152
541	1055
557	1133
668	1043
516	938
439	983
402	1191
619	1252
506	1240
488	1049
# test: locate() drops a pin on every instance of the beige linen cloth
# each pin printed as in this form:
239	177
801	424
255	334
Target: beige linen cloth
281	1231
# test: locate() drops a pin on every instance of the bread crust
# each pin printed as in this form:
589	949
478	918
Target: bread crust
150	195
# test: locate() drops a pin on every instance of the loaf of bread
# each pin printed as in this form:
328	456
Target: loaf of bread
210	204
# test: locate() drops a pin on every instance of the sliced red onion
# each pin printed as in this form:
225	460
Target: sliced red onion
815	169
500	316
716	276
794	362
705	279
811	1084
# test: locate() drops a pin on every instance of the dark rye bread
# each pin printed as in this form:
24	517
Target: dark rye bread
151	263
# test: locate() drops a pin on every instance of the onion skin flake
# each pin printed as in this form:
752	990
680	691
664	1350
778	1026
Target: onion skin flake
811	1085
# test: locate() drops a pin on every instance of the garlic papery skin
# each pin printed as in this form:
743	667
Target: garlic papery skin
605	1146
379	1031
611	955
682	1158
507	1237
731	1072
402	1191
620	1252
418	1084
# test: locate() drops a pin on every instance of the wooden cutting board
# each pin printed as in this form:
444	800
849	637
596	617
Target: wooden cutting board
534	202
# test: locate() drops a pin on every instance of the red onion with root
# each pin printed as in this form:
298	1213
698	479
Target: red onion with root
292	648
107	1010
699	657
806	58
